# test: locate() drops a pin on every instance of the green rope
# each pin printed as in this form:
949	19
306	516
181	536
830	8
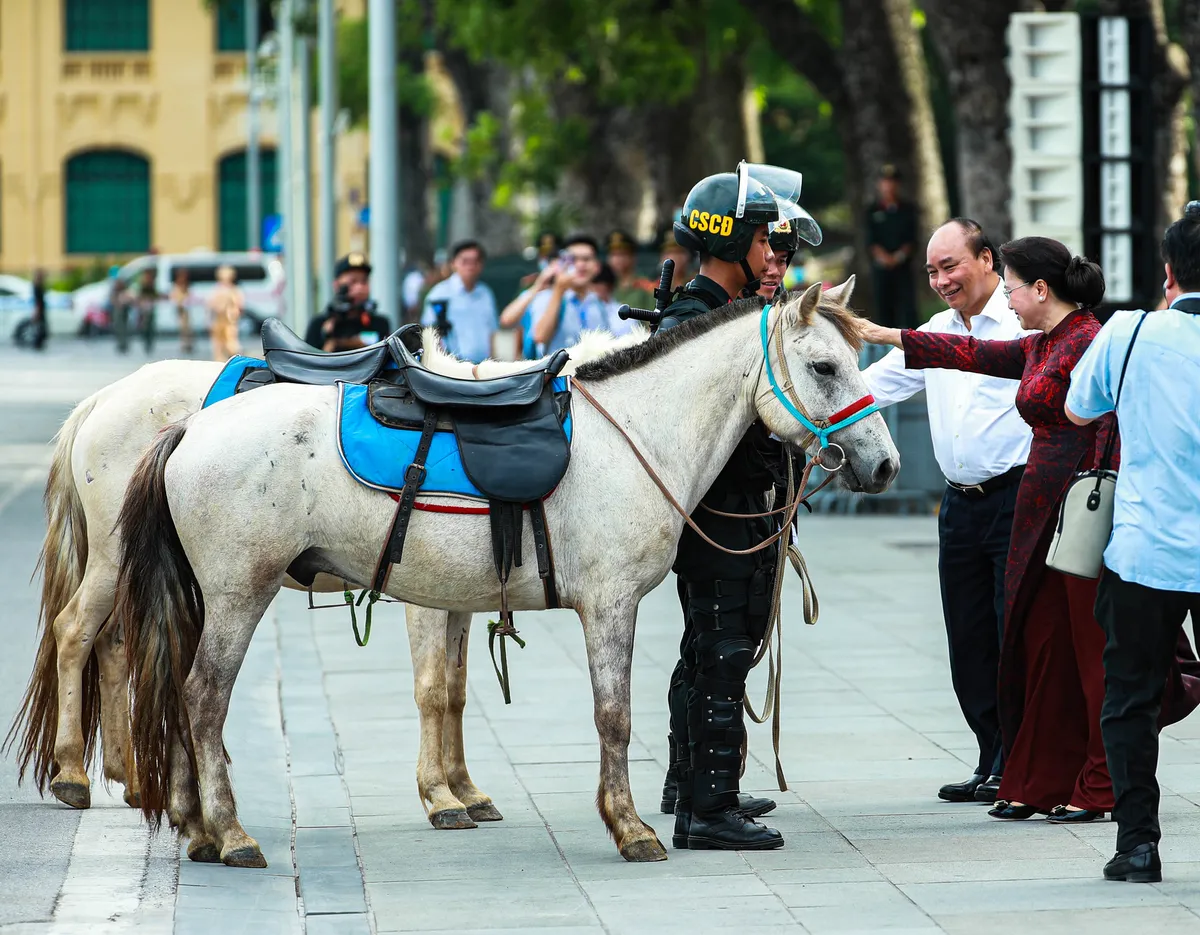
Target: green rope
361	639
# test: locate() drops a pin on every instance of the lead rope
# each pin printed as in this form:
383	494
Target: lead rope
812	610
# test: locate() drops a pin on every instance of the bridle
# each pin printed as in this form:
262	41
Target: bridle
819	429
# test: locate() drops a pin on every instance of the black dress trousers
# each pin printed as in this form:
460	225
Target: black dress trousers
973	536
1142	626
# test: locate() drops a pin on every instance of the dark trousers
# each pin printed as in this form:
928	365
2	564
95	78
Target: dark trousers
895	296
973	534
1142	626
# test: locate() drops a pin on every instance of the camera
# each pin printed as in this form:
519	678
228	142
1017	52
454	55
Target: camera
342	304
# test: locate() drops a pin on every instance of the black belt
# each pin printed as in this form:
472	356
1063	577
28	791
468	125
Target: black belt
992	484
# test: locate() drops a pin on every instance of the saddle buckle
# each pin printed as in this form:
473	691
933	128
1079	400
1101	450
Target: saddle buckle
414	475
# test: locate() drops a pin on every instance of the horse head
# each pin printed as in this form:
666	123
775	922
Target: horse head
810	391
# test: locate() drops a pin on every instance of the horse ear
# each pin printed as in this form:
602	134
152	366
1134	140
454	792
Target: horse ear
800	313
841	294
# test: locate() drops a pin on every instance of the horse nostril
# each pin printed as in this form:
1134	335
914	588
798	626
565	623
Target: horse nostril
885	472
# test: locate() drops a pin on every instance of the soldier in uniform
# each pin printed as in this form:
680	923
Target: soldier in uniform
726	598
784	238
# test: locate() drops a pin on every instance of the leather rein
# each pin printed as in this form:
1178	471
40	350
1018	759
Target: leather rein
819	429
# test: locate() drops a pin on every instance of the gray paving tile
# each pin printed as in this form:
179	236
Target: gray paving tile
1171	920
941	899
534	904
337	924
238	922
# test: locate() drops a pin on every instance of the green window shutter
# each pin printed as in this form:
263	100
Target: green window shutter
108	202
231	200
231	26
107	25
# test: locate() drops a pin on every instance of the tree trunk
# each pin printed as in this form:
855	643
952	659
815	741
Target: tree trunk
968	35
871	108
928	185
484	87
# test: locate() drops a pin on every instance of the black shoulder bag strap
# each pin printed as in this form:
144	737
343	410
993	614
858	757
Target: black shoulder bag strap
1106	458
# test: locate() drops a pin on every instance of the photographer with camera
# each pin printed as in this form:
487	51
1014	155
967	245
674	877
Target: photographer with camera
351	318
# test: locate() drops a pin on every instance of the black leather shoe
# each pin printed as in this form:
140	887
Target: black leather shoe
961	791
729	830
670	793
1140	865
1062	815
749	805
1009	812
987	791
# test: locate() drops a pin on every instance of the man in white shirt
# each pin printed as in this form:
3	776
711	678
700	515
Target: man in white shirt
981	444
462	308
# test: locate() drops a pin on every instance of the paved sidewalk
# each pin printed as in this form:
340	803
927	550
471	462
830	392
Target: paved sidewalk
871	730
323	737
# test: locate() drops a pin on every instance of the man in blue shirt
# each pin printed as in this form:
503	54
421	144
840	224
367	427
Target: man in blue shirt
560	313
462	308
1151	578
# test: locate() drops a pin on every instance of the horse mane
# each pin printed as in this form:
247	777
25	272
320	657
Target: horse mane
626	359
592	343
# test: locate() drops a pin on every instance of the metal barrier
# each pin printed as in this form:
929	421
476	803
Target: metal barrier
919	486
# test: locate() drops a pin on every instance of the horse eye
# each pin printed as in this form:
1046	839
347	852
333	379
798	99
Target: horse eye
823	369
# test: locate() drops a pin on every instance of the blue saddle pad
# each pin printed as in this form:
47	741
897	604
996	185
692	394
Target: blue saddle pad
225	385
377	455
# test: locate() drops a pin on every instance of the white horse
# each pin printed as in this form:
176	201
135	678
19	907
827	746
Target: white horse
221	506
79	683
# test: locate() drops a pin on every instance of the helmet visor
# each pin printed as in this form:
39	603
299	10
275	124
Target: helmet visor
785	183
800	221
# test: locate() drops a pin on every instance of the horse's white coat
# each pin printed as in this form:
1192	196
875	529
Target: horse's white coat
257	480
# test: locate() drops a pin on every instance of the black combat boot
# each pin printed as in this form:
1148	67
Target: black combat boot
671	782
683	804
716	822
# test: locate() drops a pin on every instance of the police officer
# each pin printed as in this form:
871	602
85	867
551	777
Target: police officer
726	598
350	319
784	238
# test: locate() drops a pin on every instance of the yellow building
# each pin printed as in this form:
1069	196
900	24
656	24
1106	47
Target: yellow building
123	130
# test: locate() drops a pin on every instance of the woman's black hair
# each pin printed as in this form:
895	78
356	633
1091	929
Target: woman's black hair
1072	278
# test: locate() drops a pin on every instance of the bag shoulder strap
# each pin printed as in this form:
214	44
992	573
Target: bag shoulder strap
1106	458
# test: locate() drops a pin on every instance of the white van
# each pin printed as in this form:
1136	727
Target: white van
259	275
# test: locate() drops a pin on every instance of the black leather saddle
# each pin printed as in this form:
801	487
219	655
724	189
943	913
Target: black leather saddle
290	359
509	429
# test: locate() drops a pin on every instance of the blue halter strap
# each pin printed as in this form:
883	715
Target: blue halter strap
859	409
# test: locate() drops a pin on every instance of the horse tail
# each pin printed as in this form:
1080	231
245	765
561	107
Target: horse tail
160	605
62	562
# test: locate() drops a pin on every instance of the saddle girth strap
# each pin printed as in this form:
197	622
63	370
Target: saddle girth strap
506	521
545	555
414	477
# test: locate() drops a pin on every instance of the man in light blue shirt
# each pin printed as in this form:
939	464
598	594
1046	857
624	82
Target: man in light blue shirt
462	308
1152	563
559	314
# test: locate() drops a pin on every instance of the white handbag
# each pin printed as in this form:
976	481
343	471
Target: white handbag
1085	518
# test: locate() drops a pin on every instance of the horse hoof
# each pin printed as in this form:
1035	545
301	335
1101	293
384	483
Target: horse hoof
133	799
248	855
451	819
74	794
204	852
644	850
485	812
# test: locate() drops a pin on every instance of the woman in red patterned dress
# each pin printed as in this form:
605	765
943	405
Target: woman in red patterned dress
1051	672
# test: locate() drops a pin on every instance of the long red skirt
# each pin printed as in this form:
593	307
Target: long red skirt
1057	757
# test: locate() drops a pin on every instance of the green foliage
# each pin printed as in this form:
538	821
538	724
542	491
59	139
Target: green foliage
798	130
354	85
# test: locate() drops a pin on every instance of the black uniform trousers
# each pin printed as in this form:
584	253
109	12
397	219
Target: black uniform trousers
1141	625
973	538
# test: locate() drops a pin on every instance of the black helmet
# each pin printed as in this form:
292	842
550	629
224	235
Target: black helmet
721	214
784	237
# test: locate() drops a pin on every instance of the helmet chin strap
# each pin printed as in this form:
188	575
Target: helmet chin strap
752	281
